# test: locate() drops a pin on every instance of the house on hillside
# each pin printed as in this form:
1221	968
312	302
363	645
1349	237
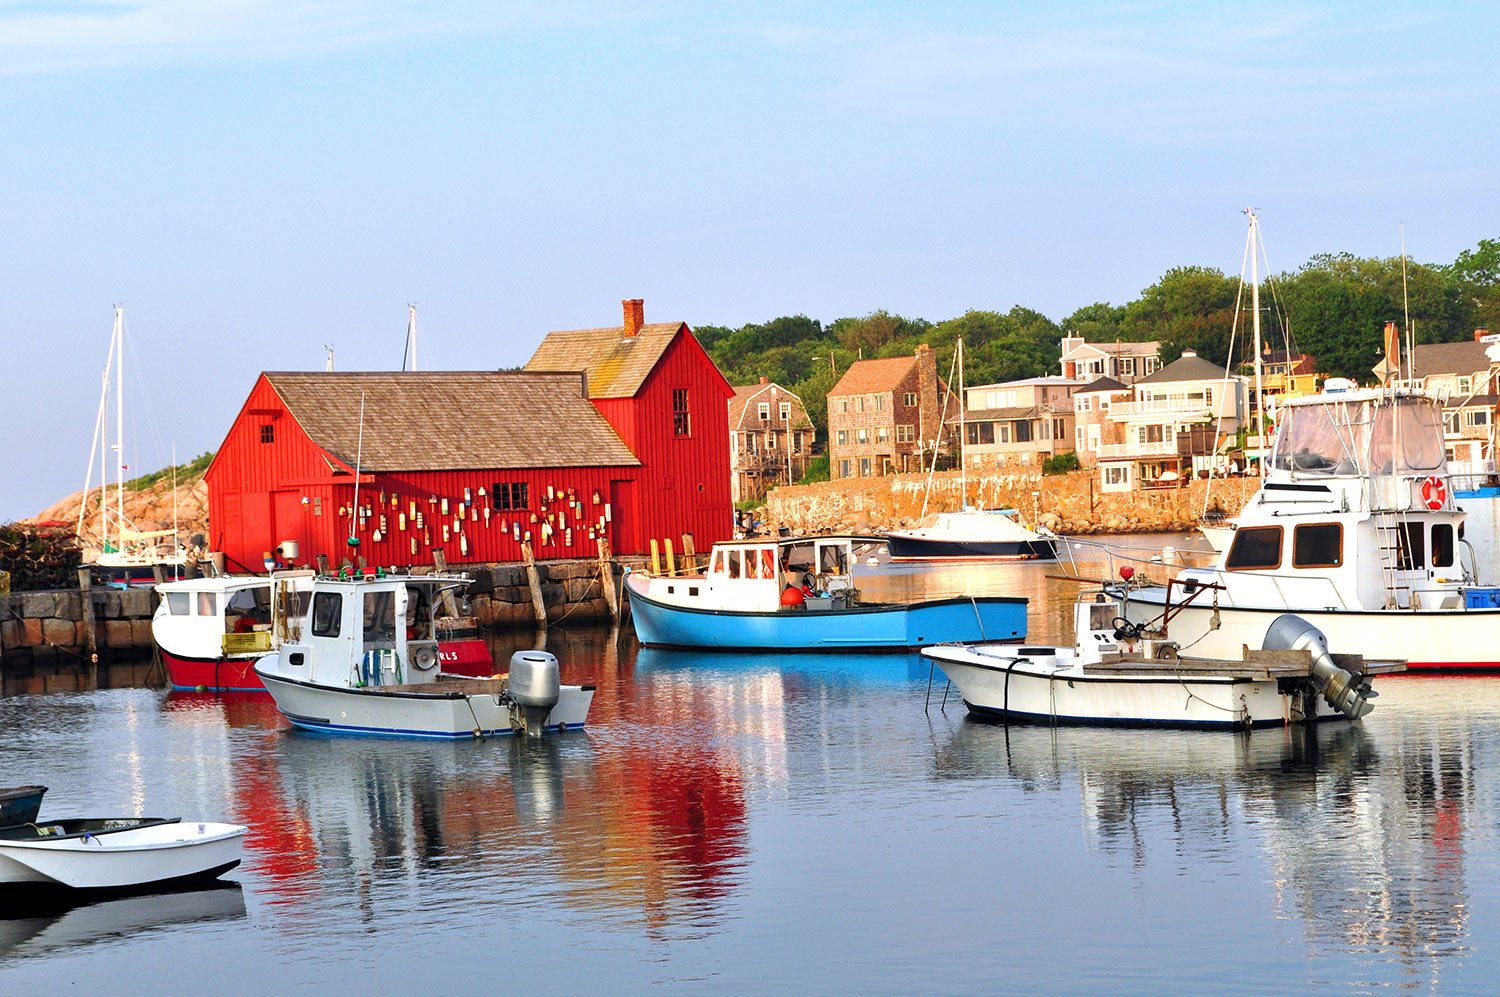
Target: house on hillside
1173	424
1124	362
770	439
883	416
1466	377
466	462
1092	425
616	433
1018	424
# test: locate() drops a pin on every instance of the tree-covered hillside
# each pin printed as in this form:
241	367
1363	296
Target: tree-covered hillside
1332	307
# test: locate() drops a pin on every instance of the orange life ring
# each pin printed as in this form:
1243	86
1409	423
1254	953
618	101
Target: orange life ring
1434	492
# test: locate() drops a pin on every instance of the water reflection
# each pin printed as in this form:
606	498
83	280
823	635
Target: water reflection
59	925
1364	835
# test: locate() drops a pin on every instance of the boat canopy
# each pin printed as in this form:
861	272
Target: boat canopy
1367	433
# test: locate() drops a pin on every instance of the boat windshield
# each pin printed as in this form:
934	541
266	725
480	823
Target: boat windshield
1371	436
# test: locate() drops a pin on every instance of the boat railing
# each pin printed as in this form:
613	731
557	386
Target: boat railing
1222	577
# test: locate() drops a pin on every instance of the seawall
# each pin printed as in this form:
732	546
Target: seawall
1064	503
44	636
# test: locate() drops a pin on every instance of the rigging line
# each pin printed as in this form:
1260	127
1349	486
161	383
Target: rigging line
1234	326
942	418
1288	341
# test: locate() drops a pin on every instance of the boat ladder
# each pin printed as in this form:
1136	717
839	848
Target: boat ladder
1395	558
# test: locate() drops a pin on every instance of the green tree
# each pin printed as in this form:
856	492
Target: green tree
1189	308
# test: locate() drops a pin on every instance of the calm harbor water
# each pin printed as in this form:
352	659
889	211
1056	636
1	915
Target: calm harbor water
759	823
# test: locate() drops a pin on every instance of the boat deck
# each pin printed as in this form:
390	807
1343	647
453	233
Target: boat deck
1260	665
448	687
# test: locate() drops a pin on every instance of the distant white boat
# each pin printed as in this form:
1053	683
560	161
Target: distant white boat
124	554
990	535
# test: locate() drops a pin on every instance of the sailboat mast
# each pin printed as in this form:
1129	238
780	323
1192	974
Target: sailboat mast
411	338
119	427
963	436
1260	399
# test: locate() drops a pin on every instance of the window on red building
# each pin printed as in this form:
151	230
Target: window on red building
510	495
268	433
680	424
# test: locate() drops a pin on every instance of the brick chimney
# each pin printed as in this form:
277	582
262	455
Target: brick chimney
635	316
1479	334
764	379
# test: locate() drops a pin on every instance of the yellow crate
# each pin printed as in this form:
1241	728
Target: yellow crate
250	643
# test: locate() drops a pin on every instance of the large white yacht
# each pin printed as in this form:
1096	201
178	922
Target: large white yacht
1355	530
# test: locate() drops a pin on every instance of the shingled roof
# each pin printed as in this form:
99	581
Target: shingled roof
868	377
447	420
1450	358
1188	367
616	364
744	394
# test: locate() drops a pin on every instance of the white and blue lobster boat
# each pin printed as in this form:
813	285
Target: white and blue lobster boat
364	660
754	597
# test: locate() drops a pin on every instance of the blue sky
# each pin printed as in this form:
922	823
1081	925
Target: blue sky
253	180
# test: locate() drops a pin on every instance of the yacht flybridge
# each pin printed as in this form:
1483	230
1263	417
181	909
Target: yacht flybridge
1355	529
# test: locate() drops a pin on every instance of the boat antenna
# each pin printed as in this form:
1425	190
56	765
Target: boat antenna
176	531
1406	312
328	361
410	356
359	454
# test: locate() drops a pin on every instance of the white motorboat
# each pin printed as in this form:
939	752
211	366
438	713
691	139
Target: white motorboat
211	630
364	660
1118	674
991	535
1354	529
116	853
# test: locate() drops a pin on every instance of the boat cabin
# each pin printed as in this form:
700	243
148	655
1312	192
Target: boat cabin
752	575
1354	512
207	617
365	631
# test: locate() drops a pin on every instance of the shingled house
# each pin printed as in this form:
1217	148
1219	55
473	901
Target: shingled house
770	438
620	434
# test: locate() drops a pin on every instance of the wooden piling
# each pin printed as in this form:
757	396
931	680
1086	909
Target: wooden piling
159	573
439	561
440	565
322	564
689	555
86	602
655	559
671	559
534	580
607	580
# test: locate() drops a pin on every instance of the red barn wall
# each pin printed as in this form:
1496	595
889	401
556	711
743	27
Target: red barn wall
684	481
261	494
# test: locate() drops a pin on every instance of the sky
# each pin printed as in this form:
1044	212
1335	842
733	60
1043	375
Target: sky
254	180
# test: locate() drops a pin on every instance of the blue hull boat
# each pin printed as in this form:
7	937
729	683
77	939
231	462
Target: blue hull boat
897	627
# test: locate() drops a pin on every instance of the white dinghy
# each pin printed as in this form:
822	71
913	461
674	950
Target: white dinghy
364	660
116	853
1119	674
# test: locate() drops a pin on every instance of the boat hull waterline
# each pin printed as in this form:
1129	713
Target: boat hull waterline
1426	639
385	713
157	853
908	548
997	684
895	627
237	674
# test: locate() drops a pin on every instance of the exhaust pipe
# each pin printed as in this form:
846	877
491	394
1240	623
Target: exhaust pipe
1344	692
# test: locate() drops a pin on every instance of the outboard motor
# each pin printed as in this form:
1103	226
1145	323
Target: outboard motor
1344	692
534	686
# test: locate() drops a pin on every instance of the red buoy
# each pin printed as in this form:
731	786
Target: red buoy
792	596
